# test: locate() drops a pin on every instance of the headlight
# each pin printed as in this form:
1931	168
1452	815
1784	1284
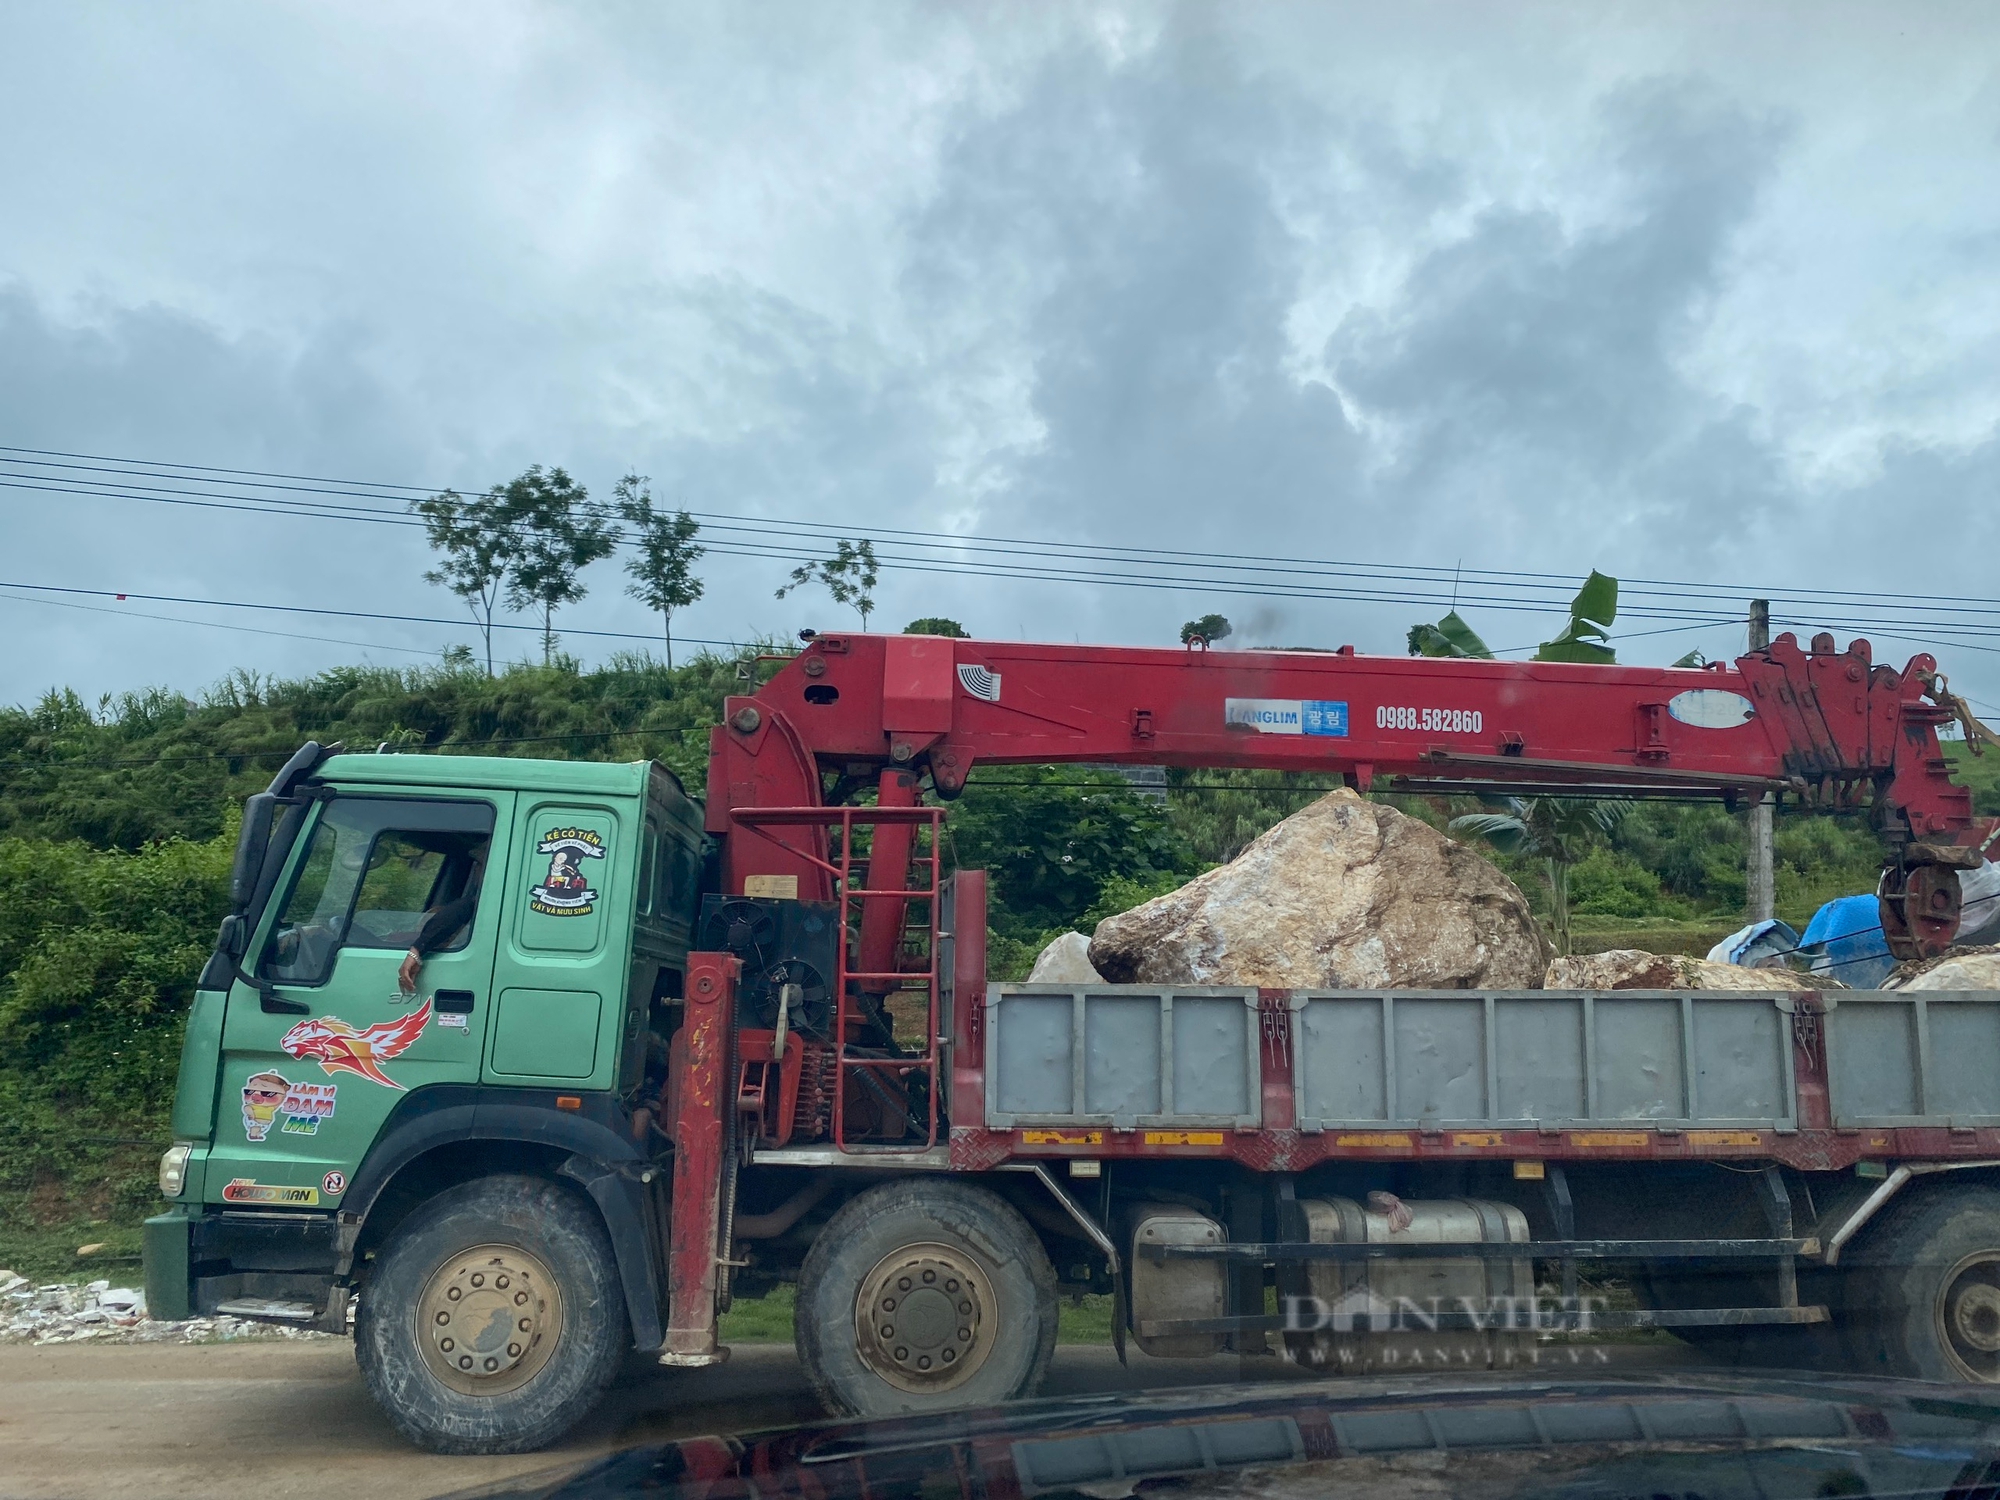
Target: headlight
173	1170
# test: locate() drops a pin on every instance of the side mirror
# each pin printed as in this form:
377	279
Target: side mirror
220	970
258	814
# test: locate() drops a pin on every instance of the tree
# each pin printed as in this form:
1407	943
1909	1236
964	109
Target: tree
477	548
663	568
1559	831
554	537
936	625
849	575
1208	630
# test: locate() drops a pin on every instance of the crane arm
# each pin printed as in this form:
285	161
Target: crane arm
1829	727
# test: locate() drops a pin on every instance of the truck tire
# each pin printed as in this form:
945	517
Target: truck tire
493	1319
1925	1293
1776	1346
1670	1284
923	1296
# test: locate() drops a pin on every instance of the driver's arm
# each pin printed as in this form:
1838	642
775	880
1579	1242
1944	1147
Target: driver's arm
441	924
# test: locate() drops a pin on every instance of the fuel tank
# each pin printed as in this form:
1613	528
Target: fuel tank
1389	1313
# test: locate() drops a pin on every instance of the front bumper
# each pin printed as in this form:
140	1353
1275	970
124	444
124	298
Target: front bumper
201	1261
165	1250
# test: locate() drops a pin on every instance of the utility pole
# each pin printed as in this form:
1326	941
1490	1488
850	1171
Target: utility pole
1763	888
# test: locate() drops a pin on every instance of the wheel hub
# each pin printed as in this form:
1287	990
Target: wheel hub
489	1319
923	1318
1975	1315
1967	1316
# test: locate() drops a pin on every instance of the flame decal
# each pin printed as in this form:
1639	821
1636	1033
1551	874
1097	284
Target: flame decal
339	1048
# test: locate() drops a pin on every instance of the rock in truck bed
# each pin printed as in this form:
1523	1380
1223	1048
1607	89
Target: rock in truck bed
1343	894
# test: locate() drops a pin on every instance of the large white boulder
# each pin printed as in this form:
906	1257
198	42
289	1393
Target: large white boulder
1635	969
1964	969
1344	894
1065	961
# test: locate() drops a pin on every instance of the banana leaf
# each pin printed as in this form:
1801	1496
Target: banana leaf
1586	638
1451	636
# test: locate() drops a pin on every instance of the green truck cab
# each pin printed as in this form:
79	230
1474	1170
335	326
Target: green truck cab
327	1118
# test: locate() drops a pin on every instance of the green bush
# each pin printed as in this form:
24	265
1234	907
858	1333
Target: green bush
1607	883
98	955
1052	838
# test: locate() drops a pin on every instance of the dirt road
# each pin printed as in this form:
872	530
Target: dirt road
270	1420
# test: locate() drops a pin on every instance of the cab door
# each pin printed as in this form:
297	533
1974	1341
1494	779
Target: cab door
561	972
313	1065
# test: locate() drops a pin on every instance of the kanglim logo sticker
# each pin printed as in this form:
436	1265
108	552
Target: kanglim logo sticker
340	1048
566	891
1286	716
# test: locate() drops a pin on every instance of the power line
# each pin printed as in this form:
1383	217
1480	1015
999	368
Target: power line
290	635
993	557
44	588
351	614
1193	578
374	489
1024	559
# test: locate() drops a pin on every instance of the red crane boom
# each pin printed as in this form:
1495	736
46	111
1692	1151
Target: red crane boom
1828	727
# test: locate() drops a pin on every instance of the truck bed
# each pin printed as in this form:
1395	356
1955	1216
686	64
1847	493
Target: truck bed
1817	1079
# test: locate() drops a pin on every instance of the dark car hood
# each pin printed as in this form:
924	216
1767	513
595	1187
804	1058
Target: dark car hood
1687	1437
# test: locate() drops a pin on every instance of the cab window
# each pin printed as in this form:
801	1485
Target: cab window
649	855
374	873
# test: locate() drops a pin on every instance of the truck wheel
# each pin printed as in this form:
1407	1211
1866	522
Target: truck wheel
1671	1284
1927	1288
1790	1346
493	1319
923	1296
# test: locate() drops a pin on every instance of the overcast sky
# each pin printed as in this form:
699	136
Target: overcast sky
1687	292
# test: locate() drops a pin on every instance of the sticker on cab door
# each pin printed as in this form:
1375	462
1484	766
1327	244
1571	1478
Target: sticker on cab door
565	891
295	1108
340	1048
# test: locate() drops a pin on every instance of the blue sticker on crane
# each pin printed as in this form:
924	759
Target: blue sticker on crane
1324	718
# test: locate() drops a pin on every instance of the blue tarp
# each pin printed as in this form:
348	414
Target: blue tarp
1758	946
1844	940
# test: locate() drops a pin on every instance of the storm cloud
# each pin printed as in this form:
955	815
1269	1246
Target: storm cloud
1703	298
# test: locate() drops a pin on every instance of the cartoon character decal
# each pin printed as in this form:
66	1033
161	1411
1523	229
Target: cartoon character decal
262	1094
565	891
340	1048
269	1097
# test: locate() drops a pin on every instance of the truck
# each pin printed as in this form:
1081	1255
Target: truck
661	1048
